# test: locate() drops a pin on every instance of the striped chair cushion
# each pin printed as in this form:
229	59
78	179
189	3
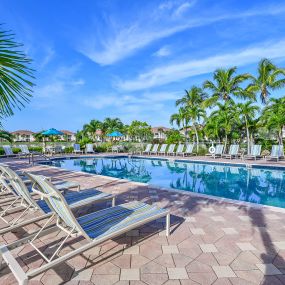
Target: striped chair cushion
111	220
76	199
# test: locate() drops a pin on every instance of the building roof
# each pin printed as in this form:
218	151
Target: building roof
23	132
157	129
66	132
98	132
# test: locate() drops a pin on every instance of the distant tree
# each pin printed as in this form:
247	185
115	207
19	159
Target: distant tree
139	130
6	136
90	129
173	136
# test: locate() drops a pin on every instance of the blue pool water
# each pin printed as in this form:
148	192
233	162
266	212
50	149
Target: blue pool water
256	185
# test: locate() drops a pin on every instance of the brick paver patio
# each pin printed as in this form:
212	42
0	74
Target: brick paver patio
212	241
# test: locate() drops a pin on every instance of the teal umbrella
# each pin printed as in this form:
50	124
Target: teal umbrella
115	134
52	132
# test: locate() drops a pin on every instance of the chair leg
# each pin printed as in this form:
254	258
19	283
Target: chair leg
113	201
167	225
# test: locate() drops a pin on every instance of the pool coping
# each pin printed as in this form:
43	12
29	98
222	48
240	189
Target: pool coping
204	196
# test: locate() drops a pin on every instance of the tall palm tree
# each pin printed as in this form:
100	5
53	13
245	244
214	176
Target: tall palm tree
273	117
109	125
226	115
247	112
180	119
212	128
268	78
91	128
15	75
194	96
6	136
225	85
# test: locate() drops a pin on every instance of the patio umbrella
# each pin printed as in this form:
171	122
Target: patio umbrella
115	134
51	132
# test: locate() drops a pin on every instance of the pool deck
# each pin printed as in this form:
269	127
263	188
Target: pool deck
212	241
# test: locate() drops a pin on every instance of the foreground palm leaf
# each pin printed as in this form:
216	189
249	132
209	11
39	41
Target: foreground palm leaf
15	75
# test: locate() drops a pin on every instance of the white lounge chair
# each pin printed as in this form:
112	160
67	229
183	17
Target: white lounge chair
76	148
96	228
255	152
89	148
162	149
8	150
147	149
179	150
154	149
170	150
24	200
218	151
277	152
233	152
189	149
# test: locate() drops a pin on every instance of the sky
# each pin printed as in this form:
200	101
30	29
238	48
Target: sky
133	59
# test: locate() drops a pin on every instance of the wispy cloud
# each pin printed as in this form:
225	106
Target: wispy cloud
176	72
162	52
121	41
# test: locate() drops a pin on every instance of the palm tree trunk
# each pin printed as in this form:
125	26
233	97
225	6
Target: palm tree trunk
226	141
197	137
247	136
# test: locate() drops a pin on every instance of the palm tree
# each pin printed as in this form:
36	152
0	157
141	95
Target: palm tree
6	136
268	79
195	114
226	116
15	75
109	125
247	111
180	119
273	117
225	85
192	97
91	128
212	128
192	103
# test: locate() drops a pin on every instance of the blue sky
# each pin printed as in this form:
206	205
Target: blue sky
133	59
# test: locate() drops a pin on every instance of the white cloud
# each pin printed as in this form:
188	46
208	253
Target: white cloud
175	72
49	55
120	41
162	52
78	82
183	8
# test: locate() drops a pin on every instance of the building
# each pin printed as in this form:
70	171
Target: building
283	132
23	136
159	132
68	136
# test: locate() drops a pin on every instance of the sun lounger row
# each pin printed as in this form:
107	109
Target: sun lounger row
277	152
51	205
165	149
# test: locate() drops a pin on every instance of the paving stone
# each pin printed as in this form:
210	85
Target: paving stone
229	231
169	249
223	271
244	218
245	246
154	279
130	274
279	244
109	279
177	273
268	269
132	250
197	231
190	220
208	247
133	233
218	219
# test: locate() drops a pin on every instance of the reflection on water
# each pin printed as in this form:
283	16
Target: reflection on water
261	186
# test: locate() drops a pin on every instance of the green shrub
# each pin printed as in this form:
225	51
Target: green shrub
36	148
68	149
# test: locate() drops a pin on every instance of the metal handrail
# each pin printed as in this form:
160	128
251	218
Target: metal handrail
31	157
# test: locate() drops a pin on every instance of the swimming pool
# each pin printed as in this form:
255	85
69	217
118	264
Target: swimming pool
256	185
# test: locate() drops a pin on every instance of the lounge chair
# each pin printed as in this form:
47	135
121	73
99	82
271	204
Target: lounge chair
179	150
233	151
254	152
170	150
189	149
147	149
76	148
218	151
277	152
89	148
96	228
23	200
154	149
8	150
162	149
61	185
